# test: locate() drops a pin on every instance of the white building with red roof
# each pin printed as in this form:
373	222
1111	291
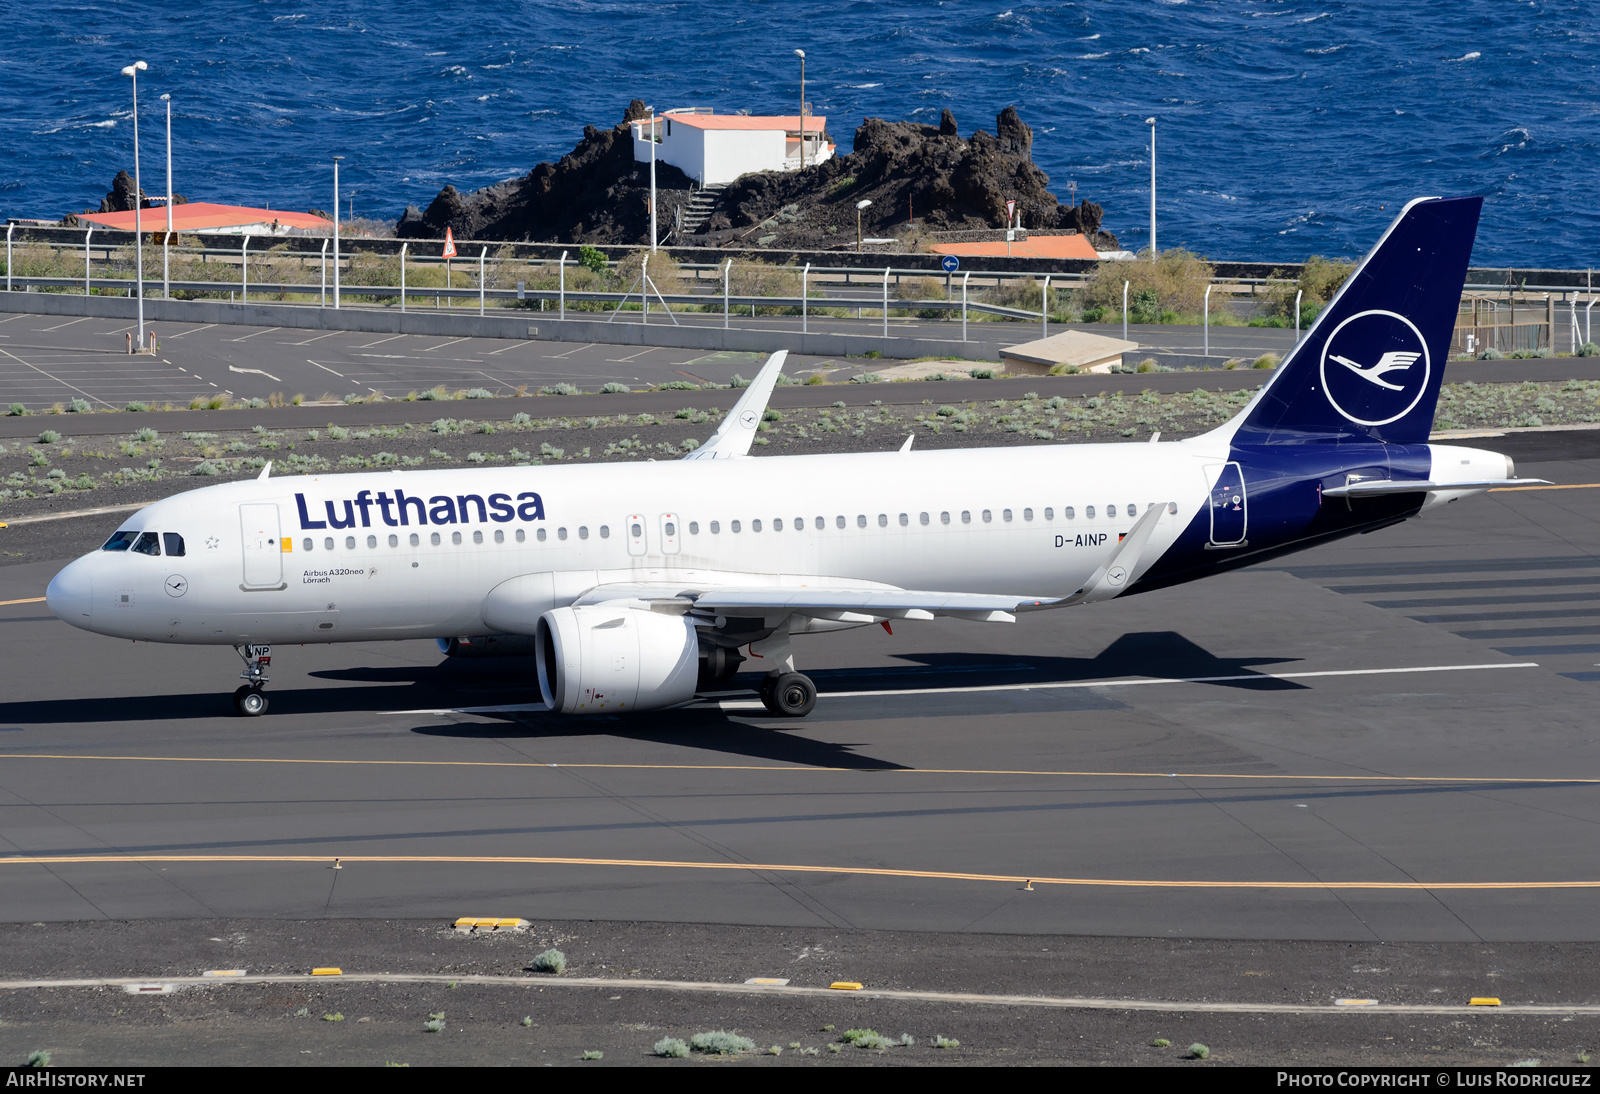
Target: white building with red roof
714	149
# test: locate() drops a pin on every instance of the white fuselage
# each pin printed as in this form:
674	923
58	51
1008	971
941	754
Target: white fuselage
1030	521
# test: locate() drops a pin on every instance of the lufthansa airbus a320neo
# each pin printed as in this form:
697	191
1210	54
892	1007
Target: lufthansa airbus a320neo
637	585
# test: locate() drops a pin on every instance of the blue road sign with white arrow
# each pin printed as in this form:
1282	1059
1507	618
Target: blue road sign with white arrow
950	263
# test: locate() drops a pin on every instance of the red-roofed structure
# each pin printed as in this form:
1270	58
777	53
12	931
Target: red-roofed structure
715	149
209	218
1035	246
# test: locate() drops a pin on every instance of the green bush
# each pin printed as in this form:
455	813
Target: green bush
559	389
1199	1051
49	436
1589	349
1491	354
79	406
613	388
591	258
551	961
672	1048
721	1042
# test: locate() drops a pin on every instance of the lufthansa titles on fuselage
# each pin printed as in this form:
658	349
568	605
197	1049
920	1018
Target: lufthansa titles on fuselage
403	510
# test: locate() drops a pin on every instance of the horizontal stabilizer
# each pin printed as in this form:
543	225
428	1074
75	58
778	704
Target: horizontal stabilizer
1376	488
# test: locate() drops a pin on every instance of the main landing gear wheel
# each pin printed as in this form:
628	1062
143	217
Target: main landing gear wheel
249	702
790	695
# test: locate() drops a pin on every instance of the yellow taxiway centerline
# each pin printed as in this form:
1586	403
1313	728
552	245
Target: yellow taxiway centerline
792	868
29	600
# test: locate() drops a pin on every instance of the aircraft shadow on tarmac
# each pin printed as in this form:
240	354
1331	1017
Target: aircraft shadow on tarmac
461	682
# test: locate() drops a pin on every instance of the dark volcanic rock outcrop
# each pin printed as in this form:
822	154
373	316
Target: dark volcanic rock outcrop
595	194
121	198
922	174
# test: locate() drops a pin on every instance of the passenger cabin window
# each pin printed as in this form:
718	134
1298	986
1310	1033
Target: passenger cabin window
1049	513
755	526
372	541
694	528
605	532
923	517
905	519
455	537
1088	512
966	516
477	537
716	527
349	543
1067	512
522	535
173	543
308	544
148	543
1005	514
821	523
327	544
583	533
1027	514
777	524
987	516
839	520
561	533
1133	510
499	535
416	540
394	541
1111	510
883	520
861	520
944	518
120	541
734	525
543	535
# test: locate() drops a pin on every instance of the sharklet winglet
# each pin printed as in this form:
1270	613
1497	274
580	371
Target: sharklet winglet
737	432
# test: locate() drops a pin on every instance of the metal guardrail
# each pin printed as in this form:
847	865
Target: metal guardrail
258	292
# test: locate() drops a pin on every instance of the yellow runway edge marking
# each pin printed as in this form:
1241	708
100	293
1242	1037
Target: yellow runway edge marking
792	868
806	770
1552	486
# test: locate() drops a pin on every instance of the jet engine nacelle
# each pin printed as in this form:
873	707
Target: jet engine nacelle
597	658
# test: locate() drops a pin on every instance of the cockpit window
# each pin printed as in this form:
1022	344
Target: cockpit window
120	541
173	543
148	543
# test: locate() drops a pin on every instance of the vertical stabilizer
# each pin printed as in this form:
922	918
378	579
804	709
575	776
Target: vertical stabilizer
1371	365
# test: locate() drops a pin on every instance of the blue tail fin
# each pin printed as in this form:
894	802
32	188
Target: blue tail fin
1371	365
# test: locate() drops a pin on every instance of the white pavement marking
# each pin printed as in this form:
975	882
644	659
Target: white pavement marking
315	338
734	705
441	345
502	349
247	337
570	352
1054	1002
191	330
324	368
100	512
379	342
24	315
631	356
58	326
256	371
57	379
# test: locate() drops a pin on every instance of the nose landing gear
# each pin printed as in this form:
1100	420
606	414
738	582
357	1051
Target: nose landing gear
249	700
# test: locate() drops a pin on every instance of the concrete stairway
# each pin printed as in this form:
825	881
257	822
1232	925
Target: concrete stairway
699	209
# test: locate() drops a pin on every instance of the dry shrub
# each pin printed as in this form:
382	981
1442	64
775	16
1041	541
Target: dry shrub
1177	278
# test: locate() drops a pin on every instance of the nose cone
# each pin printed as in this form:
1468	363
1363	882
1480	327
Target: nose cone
70	594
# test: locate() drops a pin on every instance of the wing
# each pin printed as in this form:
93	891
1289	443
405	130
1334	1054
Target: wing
840	603
734	436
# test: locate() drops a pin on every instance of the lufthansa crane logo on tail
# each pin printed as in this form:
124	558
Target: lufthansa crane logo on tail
1375	367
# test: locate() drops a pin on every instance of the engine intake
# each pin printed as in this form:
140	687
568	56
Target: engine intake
596	658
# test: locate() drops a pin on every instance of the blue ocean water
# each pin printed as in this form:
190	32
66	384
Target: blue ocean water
1285	127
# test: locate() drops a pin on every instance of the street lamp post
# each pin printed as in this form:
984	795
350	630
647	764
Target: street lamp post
166	240
800	53
138	195
336	160
860	205
653	183
1151	122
